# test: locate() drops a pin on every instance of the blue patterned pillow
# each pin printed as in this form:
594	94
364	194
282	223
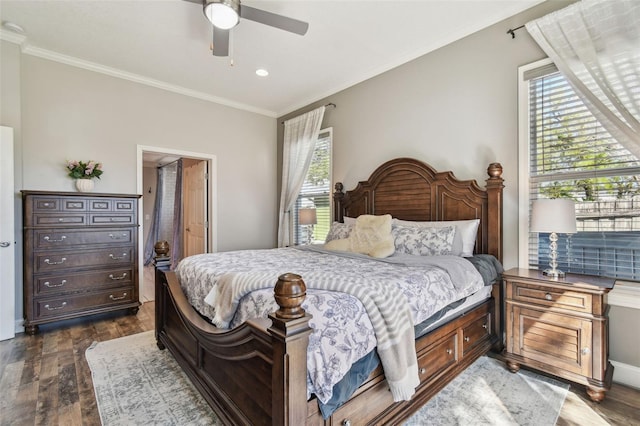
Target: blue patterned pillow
338	231
423	241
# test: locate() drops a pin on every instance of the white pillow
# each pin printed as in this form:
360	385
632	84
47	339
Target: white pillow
466	230
349	220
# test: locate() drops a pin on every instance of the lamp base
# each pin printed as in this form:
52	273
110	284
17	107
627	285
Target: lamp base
553	273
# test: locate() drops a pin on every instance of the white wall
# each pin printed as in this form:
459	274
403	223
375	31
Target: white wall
454	108
71	113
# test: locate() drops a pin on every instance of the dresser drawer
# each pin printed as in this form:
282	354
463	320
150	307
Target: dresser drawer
59	219
438	358
57	238
116	205
112	219
475	333
55	261
75	282
64	305
555	297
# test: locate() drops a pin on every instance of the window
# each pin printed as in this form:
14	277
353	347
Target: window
568	154
316	194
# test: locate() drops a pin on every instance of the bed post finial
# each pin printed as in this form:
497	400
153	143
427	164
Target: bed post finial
290	291
338	196
494	208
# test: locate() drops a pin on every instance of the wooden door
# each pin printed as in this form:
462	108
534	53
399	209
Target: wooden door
7	236
195	208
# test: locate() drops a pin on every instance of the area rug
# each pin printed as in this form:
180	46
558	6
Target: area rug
138	384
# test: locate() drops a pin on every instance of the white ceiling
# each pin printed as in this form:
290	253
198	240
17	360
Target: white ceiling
165	43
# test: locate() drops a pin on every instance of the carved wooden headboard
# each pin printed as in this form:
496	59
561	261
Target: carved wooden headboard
409	189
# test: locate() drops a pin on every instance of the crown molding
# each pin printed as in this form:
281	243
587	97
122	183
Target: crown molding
124	75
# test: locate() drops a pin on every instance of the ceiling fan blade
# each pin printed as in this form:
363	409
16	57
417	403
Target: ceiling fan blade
195	1
220	42
274	20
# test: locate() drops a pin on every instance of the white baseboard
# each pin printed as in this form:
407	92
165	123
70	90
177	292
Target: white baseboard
19	326
626	374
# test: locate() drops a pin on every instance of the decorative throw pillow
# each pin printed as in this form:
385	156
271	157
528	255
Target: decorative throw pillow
419	241
338	231
465	238
371	236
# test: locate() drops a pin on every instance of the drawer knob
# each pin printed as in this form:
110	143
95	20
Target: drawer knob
60	219
45	204
48	284
61	239
118	257
124	274
484	326
346	422
466	339
548	296
585	351
48	262
449	351
423	370
112	297
49	308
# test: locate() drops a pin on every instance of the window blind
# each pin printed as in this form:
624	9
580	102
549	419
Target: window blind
572	156
316	193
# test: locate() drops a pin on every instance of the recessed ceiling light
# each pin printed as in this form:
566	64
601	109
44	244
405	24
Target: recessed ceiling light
13	27
262	72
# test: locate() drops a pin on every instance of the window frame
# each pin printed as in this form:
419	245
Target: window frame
524	157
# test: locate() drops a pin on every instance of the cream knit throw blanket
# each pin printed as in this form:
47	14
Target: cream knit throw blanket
385	304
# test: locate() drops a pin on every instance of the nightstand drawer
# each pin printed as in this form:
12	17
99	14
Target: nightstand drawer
554	297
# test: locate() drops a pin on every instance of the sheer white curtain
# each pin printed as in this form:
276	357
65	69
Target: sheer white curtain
596	46
300	135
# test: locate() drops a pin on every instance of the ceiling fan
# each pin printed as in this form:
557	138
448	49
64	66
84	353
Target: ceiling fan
225	14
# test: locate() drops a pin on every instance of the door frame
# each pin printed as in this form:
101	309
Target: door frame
8	323
212	232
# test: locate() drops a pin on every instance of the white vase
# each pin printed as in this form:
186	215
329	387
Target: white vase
84	185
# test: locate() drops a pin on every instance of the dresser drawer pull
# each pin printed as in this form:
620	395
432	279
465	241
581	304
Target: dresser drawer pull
45	204
484	326
124	275
48	284
118	298
449	351
61	219
466	339
49	308
48	262
423	370
346	422
548	296
118	257
585	351
62	238
117	237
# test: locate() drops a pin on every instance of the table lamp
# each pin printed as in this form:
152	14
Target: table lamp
556	216
307	218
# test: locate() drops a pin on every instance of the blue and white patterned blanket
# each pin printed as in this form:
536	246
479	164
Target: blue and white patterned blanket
342	331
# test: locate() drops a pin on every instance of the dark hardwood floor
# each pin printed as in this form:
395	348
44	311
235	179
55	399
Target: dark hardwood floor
45	379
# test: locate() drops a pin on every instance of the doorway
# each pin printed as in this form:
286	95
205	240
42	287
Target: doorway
197	232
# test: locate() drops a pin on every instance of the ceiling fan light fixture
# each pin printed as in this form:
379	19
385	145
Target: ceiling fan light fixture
223	14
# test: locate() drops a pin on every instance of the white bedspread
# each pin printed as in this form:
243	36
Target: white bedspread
342	331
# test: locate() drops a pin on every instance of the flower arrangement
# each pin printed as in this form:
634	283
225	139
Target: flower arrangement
82	170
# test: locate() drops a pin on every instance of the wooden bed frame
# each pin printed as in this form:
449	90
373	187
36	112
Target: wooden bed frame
256	373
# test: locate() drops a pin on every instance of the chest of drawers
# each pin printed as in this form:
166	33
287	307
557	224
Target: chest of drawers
80	255
559	326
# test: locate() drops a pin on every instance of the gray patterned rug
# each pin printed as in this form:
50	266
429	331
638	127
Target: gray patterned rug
137	384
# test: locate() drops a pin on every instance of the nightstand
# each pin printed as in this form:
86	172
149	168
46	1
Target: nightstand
559	326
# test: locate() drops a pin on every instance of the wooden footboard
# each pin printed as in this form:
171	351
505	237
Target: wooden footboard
256	373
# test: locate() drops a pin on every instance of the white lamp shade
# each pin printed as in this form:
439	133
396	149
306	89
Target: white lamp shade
307	217
553	215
